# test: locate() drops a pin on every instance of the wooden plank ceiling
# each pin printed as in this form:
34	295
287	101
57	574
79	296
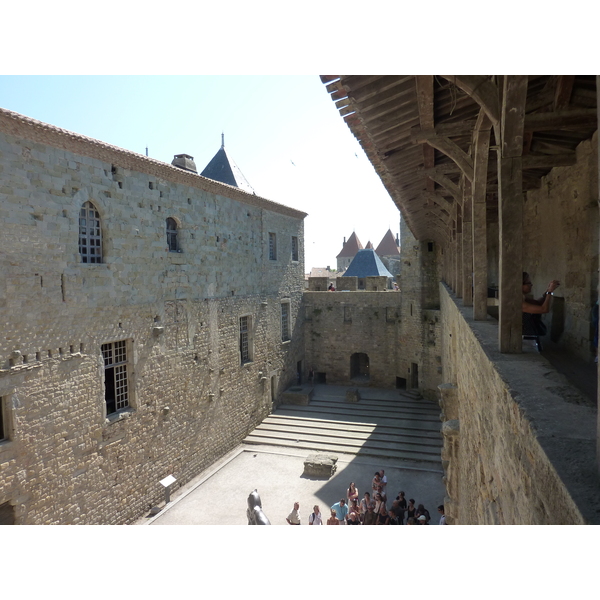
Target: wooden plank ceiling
417	131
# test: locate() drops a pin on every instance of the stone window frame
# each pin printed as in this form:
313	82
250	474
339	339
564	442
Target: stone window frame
348	313
272	245
246	335
172	234
6	421
295	249
121	374
286	321
90	238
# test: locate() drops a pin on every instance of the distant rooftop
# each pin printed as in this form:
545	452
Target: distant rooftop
351	247
223	168
388	245
367	264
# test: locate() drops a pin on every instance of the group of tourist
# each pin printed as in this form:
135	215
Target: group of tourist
372	509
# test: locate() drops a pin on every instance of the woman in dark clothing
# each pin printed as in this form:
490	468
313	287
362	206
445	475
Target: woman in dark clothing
410	509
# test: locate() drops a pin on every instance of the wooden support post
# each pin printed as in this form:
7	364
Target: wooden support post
510	212
458	252
467	245
479	215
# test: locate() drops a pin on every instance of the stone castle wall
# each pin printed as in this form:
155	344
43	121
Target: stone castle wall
191	399
509	427
399	331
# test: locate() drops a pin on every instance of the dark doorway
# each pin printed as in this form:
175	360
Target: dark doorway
320	377
414	376
400	383
359	366
273	384
7	514
299	372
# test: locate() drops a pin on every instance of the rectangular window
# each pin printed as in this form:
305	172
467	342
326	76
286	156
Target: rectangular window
272	246
246	339
294	248
285	321
116	380
3	421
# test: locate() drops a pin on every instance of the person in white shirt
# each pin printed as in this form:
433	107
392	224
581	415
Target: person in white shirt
315	518
383	484
442	515
294	517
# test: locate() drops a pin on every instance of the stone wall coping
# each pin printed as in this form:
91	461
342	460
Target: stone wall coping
565	431
37	131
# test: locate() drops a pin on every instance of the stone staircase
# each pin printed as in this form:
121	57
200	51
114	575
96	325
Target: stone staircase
391	424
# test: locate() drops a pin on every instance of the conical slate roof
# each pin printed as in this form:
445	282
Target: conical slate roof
223	168
367	264
369	246
387	246
351	247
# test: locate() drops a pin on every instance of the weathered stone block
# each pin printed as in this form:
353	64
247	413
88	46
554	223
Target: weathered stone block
352	395
320	465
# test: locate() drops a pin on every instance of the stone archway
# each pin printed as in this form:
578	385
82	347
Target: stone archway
359	366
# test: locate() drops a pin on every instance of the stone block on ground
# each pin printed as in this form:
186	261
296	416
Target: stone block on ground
297	394
320	465
352	395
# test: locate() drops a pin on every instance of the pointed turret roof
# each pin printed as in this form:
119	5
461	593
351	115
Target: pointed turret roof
366	264
351	247
369	246
387	246
223	168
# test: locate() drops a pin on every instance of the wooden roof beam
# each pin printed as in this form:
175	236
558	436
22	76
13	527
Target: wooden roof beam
482	90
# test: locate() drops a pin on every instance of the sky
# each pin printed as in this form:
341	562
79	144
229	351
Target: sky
284	133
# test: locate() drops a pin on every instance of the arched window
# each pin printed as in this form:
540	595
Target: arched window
90	234
172	235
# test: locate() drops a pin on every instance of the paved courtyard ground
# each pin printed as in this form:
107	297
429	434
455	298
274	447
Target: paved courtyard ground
219	496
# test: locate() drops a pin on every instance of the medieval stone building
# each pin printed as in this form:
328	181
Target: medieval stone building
149	319
496	175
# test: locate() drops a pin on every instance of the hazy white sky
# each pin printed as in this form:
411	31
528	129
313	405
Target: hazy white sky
284	133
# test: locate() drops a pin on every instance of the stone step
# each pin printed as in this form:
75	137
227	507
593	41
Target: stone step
365	415
370	436
389	427
346	448
372	412
423	407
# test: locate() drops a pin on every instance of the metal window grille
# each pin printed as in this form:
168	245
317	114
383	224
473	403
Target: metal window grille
294	248
245	339
116	382
285	321
272	247
172	235
90	234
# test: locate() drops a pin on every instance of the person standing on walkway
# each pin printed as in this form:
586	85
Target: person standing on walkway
383	484
341	511
352	493
370	516
442	515
364	506
333	518
294	517
315	517
376	485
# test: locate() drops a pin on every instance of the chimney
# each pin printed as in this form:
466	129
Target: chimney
397	240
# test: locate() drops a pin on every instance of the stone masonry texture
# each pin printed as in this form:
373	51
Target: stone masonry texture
191	399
